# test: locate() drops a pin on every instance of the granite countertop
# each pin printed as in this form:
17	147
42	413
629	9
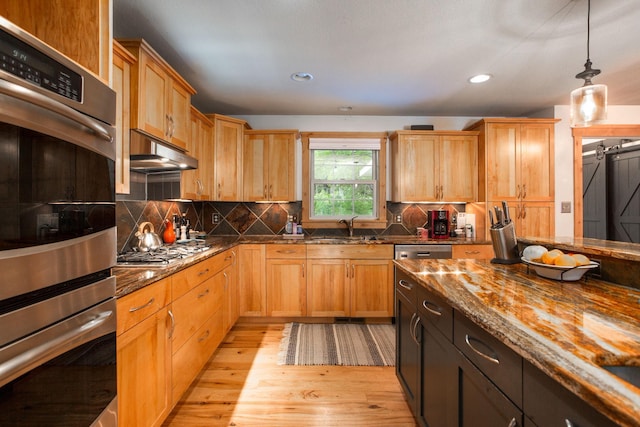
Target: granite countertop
130	279
567	329
607	248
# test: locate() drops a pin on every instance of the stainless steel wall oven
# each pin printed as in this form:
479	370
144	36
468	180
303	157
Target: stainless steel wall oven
57	239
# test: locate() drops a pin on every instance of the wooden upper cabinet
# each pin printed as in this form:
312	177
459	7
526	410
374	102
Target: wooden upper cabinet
228	135
197	184
121	73
519	158
434	166
80	29
160	98
268	165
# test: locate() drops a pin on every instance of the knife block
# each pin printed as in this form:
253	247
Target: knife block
505	245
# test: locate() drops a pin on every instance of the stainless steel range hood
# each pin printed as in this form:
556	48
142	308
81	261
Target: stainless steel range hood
149	154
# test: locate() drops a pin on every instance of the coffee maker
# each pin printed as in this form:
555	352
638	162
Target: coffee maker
438	224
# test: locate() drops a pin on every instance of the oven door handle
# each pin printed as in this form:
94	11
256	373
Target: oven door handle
26	355
36	98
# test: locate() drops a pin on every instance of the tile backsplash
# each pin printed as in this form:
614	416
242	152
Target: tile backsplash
252	219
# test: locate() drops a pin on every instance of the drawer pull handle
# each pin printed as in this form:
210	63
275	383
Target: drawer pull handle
428	304
513	423
140	307
472	252
229	258
204	336
405	284
173	323
468	339
286	251
205	271
203	294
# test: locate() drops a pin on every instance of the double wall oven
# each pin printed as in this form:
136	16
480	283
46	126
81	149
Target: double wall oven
57	239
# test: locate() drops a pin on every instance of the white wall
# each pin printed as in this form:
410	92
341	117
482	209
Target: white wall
618	114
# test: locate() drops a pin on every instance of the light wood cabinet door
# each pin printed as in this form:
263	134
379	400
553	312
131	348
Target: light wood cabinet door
502	161
252	290
281	167
179	100
228	158
537	162
415	163
197	184
255	164
286	287
371	288
458	168
121	84
144	372
150	113
536	219
230	300
328	288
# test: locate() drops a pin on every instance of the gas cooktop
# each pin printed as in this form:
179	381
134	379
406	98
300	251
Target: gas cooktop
163	256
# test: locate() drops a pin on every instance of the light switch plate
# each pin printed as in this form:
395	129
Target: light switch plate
565	207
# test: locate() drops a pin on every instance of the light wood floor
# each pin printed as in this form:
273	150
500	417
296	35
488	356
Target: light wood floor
242	385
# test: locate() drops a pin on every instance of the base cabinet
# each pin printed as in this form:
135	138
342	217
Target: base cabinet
454	373
286	280
144	356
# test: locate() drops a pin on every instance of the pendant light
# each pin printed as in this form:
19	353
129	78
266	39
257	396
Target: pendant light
588	103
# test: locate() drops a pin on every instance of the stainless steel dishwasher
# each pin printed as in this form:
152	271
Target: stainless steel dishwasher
421	251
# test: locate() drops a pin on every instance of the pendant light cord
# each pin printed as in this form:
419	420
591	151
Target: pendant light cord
588	27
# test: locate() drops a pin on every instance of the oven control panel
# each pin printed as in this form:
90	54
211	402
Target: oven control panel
27	63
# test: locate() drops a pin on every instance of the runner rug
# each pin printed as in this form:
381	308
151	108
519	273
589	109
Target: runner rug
343	344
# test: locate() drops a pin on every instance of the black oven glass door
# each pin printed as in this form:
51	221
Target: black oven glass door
51	190
75	387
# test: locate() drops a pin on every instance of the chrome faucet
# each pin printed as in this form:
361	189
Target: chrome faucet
349	224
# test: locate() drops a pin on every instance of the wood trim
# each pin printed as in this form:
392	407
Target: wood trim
609	131
381	221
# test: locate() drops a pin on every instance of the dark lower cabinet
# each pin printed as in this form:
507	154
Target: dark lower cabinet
455	374
439	386
481	403
547	403
407	354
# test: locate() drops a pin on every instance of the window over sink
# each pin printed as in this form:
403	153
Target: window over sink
344	176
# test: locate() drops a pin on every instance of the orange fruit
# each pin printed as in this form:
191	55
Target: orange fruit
550	256
565	261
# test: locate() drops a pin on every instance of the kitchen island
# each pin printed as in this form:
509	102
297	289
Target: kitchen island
567	330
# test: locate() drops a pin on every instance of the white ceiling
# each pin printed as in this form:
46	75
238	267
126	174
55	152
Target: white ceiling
389	57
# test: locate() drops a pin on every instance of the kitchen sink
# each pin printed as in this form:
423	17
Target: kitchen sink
628	373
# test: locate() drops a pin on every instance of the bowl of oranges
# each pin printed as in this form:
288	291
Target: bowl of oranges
556	264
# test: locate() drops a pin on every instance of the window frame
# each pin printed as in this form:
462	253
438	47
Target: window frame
380	222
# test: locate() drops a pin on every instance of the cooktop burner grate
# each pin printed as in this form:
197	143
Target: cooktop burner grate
162	256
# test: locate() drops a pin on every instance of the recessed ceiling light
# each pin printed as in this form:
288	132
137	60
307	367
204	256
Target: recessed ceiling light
345	108
480	78
301	77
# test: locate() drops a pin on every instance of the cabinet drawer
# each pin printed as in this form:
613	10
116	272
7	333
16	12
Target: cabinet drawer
436	311
192	309
472	251
191	277
191	358
137	306
497	361
547	403
360	251
286	251
406	286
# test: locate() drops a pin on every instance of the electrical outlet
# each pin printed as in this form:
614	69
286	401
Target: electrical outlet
215	218
294	218
398	218
565	207
289	218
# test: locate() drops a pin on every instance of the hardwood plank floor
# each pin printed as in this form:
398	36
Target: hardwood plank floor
242	385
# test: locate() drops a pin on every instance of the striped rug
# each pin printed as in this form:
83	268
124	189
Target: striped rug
343	344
